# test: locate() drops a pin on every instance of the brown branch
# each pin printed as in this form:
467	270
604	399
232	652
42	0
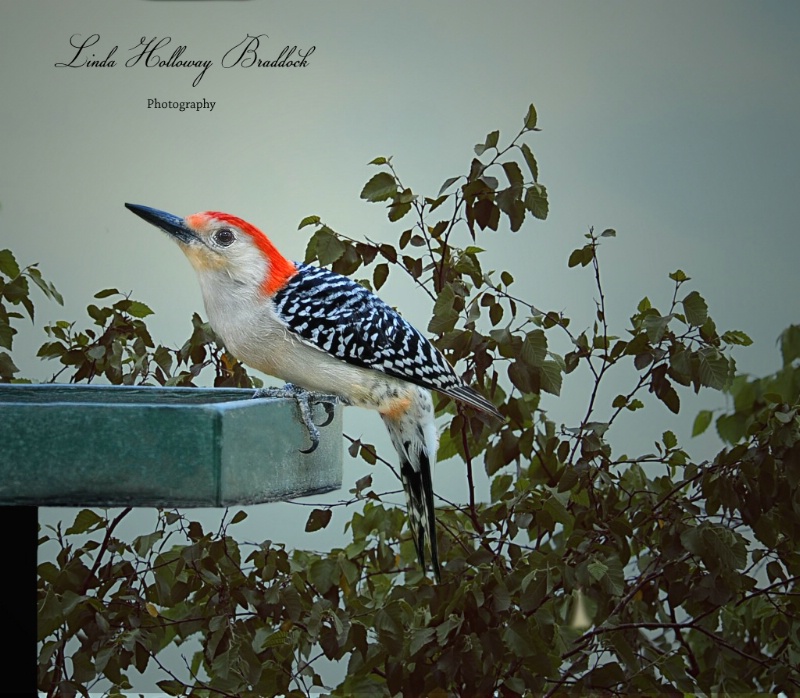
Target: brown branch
214	691
768	590
678	627
103	548
471	482
694	665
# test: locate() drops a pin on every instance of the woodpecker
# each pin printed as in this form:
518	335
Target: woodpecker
326	333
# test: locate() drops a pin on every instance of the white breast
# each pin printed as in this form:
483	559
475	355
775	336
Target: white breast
253	333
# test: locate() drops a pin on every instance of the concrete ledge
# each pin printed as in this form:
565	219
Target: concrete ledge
87	445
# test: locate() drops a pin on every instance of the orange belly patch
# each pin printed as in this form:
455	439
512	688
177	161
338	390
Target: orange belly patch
396	408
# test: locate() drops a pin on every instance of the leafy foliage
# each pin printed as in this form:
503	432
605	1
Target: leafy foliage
15	291
587	570
119	348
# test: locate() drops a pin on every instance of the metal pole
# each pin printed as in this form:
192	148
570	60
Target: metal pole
18	600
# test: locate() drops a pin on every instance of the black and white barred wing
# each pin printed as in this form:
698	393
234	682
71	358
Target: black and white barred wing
341	317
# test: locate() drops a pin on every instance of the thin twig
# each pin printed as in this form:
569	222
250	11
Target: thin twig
468	458
103	548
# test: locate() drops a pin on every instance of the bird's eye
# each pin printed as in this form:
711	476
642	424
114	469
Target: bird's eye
224	237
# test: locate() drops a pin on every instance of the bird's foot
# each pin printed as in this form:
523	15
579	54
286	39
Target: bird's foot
304	400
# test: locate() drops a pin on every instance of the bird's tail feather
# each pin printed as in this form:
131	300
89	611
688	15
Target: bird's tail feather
413	434
421	517
473	398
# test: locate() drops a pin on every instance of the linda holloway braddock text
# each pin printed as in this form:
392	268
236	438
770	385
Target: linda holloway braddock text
155	53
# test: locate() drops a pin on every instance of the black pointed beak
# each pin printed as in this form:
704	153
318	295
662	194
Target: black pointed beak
169	223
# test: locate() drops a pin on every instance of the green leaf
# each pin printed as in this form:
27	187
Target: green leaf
534	348
329	247
500	486
737	337
701	422
85	520
8	264
239	516
575	258
143	544
720	548
368	454
398	209
669	439
309	220
17	290
664	390
47	288
388	252
468	263
790	344
105	293
139	310
536	201
608	233
7	366
619	401
318	519
531	118
419	638
265	638
171	687
513	173
363	482
556	506
379	275
378	161
495	314
695	308
656	326
435	203
163	357
367	252
670	398
731	428
517	638
447	184
569	479
608	674
679	276
487	214
530	160
522	377
490	142
551	377
444	314
7	335
379	188
785	417
714	369
597	569
322	573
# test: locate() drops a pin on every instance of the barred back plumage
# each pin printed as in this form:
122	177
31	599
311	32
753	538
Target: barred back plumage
343	318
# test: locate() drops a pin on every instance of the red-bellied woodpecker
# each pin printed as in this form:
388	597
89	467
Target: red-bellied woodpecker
324	332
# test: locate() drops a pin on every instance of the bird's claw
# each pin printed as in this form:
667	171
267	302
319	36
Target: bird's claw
330	412
304	400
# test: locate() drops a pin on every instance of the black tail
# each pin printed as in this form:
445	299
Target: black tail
421	517
413	434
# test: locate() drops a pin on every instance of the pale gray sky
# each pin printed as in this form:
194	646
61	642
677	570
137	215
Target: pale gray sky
674	123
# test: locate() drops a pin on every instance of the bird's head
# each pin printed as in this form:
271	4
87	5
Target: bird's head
220	245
